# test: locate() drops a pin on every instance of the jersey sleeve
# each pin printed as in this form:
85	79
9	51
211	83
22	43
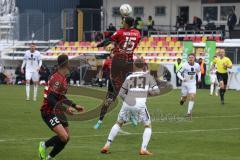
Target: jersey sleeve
214	61
115	36
124	89
152	82
153	88
181	70
24	60
229	62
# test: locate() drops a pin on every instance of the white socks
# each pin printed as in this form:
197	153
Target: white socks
190	106
35	89
28	91
216	90
114	131
211	89
146	137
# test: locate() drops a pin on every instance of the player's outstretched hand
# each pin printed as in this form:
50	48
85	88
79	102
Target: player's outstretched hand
79	108
70	110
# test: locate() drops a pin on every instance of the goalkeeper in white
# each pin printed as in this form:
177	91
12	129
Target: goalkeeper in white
188	74
134	92
32	62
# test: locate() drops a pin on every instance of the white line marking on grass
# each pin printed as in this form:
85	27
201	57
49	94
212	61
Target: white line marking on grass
105	135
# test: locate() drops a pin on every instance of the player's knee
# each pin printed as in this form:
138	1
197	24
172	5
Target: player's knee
120	124
191	97
148	126
184	98
65	138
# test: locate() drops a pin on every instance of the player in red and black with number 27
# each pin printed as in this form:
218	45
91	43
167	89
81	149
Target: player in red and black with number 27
125	41
53	112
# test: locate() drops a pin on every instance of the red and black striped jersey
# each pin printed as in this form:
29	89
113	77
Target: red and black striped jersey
126	40
57	85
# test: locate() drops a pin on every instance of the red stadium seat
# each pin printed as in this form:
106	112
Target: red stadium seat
174	39
186	38
198	39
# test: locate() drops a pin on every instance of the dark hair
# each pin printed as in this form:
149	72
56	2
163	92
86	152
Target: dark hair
129	21
62	60
139	63
191	54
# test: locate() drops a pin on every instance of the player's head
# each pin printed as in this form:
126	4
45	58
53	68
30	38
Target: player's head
32	47
128	22
63	62
139	64
221	52
191	58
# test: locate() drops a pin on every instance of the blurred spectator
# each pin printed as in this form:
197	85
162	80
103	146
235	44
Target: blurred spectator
139	24
150	23
105	72
98	36
75	76
3	79
197	22
203	73
231	22
177	66
181	21
20	77
44	74
111	28
54	69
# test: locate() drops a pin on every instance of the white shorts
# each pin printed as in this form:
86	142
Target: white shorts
32	75
213	78
140	114
188	88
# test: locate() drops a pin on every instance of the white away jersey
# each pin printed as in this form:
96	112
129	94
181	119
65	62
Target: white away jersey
136	88
33	61
189	72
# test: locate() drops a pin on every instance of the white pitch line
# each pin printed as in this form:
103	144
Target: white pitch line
127	133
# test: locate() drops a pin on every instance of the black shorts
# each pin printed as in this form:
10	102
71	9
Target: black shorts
53	120
119	71
222	77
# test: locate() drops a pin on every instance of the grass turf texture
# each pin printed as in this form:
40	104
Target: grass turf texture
213	134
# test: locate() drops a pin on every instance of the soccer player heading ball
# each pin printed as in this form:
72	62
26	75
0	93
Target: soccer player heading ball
33	62
187	73
134	92
125	40
52	113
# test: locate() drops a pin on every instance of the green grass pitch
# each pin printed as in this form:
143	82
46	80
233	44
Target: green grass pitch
213	134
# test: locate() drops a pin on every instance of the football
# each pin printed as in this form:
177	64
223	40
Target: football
125	9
